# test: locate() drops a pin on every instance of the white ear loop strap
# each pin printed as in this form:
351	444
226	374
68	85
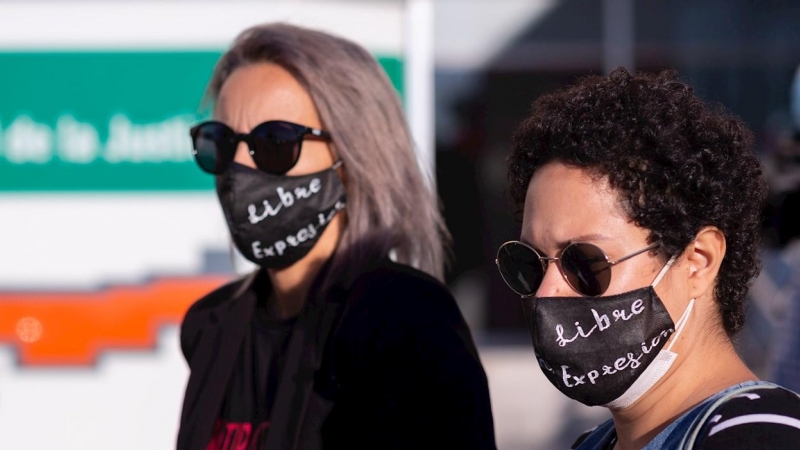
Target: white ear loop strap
681	323
664	270
685	316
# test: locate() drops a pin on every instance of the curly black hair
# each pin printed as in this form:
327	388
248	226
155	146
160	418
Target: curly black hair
678	165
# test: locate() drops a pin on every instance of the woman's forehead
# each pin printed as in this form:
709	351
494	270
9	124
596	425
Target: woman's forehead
566	204
260	92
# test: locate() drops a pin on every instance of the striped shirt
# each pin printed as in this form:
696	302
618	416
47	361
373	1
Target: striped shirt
765	417
759	419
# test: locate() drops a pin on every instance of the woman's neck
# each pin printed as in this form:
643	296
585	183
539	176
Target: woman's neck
698	373
290	285
290	288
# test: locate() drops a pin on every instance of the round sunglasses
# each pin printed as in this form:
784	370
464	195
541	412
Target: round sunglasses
585	267
274	145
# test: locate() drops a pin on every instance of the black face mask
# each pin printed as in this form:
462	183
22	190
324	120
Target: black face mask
603	350
275	220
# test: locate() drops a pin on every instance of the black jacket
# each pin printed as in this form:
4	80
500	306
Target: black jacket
386	363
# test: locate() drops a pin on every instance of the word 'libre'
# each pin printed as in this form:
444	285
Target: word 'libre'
287	199
602	323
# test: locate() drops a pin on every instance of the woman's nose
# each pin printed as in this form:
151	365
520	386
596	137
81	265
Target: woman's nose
554	284
243	157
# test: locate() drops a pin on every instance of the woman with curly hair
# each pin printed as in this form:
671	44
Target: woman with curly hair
649	204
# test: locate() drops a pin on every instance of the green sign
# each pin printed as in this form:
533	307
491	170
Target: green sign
110	121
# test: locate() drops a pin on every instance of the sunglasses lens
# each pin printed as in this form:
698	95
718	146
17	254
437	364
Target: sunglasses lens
277	146
520	268
214	147
586	268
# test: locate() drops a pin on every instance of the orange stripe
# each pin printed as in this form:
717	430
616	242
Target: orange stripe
74	328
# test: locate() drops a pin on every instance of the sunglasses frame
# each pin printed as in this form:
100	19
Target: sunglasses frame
302	133
545	260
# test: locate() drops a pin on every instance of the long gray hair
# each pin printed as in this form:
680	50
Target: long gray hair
390	210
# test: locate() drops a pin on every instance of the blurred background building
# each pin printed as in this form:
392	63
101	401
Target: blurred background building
108	231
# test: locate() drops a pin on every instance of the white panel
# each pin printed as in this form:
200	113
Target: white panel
130	401
184	24
470	32
419	76
85	240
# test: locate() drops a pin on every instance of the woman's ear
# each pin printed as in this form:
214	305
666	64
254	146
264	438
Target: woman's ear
703	258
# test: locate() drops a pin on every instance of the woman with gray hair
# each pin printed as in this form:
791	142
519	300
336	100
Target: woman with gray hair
345	336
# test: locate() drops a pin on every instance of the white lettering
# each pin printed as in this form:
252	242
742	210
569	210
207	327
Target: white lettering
315	185
629	361
634	362
302	235
620	314
560	339
543	364
286	197
256	245
269	211
602	321
27	141
287	200
655	341
330	215
301	192
164	141
580	330
78	142
565	376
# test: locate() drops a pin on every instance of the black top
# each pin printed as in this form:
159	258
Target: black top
244	417
762	418
398	369
766	417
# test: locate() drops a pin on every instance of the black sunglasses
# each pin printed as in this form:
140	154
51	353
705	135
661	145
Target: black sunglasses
584	266
274	145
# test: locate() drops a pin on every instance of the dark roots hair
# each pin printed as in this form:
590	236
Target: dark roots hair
677	164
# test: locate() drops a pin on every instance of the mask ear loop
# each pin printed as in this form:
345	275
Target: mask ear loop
685	316
681	323
664	270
